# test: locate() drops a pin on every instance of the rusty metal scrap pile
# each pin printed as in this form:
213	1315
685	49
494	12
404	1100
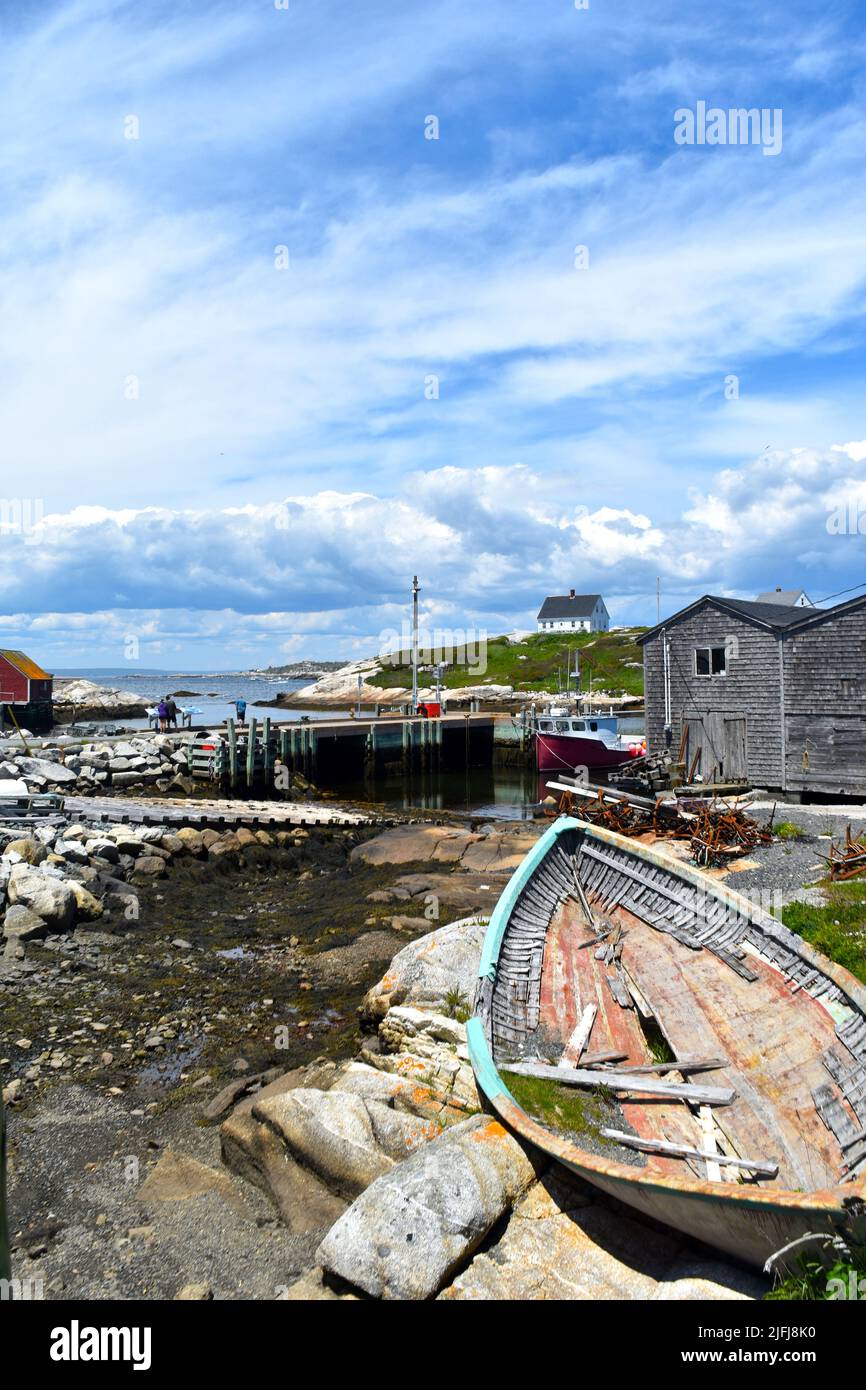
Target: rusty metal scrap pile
717	831
848	860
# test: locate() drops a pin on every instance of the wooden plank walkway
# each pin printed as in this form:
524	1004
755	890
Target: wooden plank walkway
216	813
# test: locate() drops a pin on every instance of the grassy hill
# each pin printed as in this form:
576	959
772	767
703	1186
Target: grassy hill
613	661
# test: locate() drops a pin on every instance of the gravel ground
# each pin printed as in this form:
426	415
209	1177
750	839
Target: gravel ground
82	1229
789	869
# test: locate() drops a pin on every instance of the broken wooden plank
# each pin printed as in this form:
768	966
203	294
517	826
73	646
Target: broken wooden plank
734	962
594	940
579	1038
581	896
681	1064
855	1170
854	1156
641	1004
833	1113
711	1142
595	1059
650	1086
619	991
759	1167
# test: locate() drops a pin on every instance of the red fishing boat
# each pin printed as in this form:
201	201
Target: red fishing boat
565	742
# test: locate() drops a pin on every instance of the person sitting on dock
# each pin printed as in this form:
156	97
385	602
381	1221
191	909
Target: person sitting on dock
162	715
241	709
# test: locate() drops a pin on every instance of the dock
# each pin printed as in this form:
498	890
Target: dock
343	750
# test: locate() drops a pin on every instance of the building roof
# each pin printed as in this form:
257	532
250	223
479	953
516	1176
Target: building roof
770	611
25	665
790	597
776	617
770	616
559	606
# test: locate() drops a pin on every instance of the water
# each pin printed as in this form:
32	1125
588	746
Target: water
498	793
215	692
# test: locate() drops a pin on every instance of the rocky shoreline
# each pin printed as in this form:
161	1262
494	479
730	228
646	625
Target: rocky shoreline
77	699
264	1029
341	689
68	766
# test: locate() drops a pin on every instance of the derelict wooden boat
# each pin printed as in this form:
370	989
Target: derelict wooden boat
601	947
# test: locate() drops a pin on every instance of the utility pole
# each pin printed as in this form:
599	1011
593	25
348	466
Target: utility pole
415	644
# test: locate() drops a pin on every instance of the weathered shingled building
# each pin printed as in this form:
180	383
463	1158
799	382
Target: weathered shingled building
771	692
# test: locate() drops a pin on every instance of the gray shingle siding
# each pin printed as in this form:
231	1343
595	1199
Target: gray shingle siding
818	669
823	719
750	687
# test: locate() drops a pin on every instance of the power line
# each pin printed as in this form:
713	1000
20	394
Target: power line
841	592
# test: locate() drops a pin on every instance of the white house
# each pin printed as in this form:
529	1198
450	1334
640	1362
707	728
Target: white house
573	612
791	598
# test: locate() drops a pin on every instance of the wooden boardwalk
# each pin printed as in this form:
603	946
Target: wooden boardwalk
216	813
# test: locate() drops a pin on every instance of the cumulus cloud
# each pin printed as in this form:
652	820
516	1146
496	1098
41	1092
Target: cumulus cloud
332	570
206	434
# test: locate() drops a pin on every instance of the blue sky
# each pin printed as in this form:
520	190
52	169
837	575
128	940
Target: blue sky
235	463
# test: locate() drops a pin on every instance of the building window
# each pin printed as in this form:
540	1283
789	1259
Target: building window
849	687
709	661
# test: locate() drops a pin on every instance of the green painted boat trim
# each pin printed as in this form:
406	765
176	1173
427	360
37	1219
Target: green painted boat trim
524	871
483	1065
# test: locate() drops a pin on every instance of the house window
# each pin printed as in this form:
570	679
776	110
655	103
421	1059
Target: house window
709	661
849	687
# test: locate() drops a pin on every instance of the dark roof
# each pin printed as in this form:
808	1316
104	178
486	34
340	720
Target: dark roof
564	606
776	616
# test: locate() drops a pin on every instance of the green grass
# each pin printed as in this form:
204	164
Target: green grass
789	830
838	928
457	1006
562	1108
613	660
810	1283
660	1049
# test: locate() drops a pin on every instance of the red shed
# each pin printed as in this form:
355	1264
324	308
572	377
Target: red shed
27	687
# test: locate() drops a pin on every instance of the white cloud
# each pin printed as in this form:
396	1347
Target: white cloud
329	571
856	450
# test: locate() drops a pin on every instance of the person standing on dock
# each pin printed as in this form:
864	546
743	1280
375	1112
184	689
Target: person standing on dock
241	710
162	715
171	712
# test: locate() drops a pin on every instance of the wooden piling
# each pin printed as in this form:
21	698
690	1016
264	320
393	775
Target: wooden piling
294	753
266	749
233	753
251	752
